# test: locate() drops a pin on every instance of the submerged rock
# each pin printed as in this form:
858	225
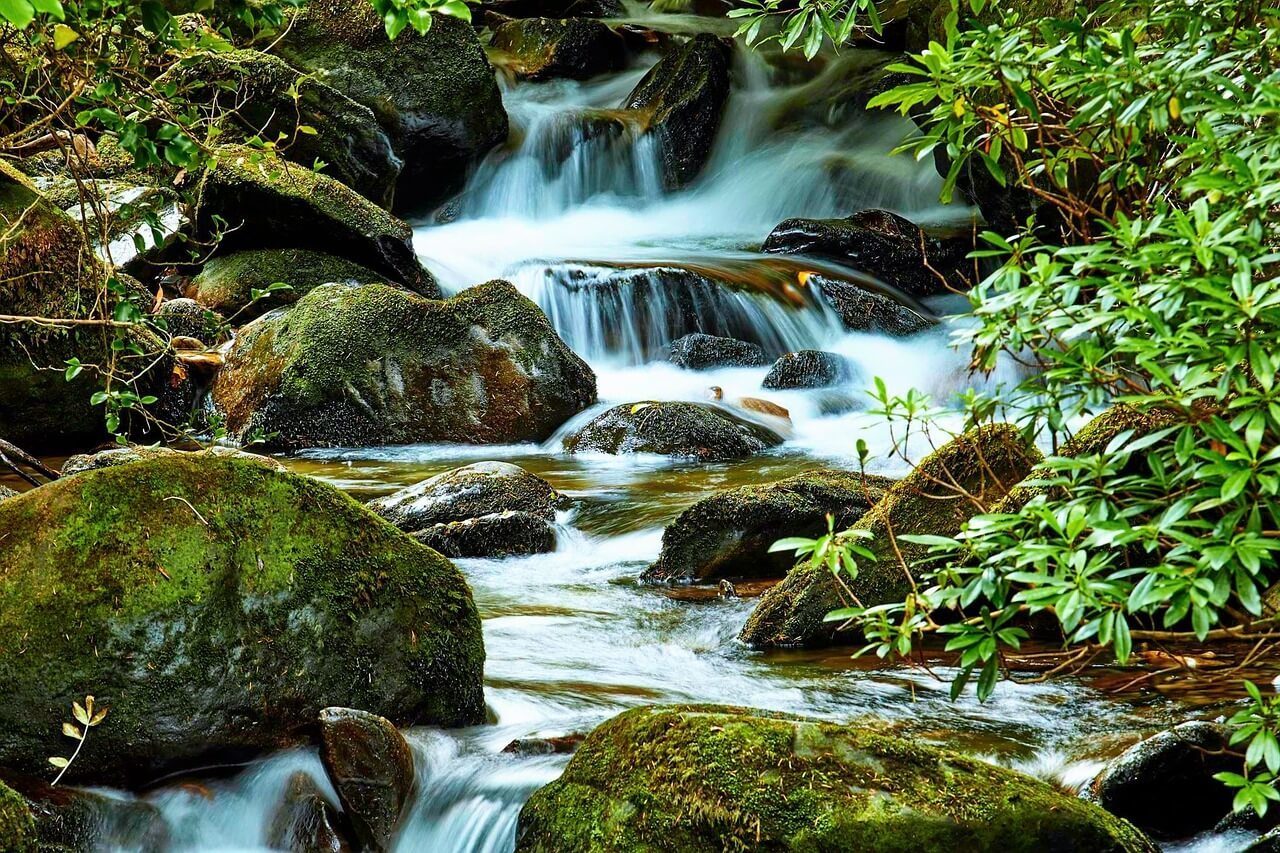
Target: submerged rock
226	283
499	534
372	770
1165	786
373	365
434	94
880	243
703	352
273	203
703	432
266	98
712	778
728	535
47	270
305	822
682	99
218	606
863	310
985	462
809	369
550	48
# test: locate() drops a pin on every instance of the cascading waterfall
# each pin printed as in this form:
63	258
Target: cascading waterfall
575	215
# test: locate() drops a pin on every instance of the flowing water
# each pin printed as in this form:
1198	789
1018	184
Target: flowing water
574	213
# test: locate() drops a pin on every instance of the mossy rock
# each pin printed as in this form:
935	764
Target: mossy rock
216	605
273	203
984	462
686	430
114	456
226	283
17	824
374	365
499	534
434	94
879	243
269	100
728	535
482	488
71	820
715	778
551	48
682	100
48	269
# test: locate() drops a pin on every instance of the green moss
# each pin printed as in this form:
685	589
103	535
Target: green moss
709	778
272	100
217	604
983	464
434	94
226	283
376	365
728	535
274	203
17	824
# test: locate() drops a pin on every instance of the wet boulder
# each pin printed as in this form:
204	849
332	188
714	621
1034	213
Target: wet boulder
488	509
809	369
219	605
682	101
305	822
227	283
272	203
550	48
863	310
266	98
704	352
73	819
688	430
47	269
711	778
1164	785
434	94
374	365
371	768
728	535
984	462
498	534
879	243
187	318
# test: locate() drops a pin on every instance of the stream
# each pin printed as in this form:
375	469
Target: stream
582	226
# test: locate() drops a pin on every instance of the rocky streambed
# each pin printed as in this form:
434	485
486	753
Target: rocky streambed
582	317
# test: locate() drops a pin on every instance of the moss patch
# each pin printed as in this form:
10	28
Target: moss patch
17	824
984	463
226	283
216	605
709	778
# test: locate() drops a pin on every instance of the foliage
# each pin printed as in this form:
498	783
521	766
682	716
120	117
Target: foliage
1145	136
807	23
87	717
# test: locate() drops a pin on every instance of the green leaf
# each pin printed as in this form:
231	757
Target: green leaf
20	13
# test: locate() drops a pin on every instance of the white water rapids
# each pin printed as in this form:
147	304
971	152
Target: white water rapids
580	223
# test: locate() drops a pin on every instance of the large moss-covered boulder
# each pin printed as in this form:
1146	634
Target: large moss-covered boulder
715	778
272	203
267	98
681	101
434	94
374	365
689	430
226	283
216	605
550	48
879	243
728	534
47	269
961	479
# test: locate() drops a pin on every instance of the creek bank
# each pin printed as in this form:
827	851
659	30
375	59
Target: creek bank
177	567
705	778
